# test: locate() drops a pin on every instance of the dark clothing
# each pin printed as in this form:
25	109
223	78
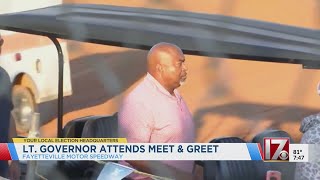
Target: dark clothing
5	105
5	114
310	127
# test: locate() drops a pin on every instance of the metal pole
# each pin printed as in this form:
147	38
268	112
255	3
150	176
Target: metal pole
33	133
60	87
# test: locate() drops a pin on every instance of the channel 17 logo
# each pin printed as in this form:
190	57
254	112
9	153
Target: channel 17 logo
276	149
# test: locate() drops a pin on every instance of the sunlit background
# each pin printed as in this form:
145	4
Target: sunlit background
227	97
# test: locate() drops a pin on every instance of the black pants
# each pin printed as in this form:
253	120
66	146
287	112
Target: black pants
5	114
4	169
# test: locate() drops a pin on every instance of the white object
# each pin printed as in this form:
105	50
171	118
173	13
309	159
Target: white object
114	171
32	64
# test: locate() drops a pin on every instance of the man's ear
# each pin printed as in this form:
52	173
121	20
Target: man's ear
159	68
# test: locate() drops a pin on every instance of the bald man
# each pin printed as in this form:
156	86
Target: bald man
155	112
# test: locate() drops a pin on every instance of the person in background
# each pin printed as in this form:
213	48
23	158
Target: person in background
310	127
7	126
155	112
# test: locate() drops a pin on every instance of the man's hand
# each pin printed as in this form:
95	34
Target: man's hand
14	170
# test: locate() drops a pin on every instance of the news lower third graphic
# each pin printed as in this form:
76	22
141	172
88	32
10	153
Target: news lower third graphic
276	149
117	149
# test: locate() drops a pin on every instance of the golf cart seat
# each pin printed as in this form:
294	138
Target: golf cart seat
270	133
87	127
230	170
287	169
101	127
73	129
94	127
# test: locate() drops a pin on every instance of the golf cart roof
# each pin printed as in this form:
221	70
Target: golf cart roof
196	34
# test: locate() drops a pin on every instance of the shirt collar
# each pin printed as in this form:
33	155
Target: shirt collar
155	82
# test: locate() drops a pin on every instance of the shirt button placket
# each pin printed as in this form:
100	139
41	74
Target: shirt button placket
179	104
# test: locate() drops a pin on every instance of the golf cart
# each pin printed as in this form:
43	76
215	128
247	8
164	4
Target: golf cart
196	34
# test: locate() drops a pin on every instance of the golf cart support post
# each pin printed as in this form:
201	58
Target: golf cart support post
60	86
140	28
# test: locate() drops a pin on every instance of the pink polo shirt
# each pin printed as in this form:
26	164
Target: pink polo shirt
150	114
